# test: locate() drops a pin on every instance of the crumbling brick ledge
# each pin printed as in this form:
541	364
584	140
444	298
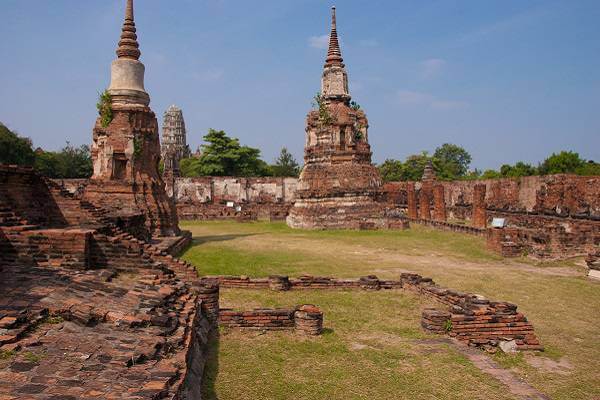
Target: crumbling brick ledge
472	318
283	283
304	319
448	226
468	317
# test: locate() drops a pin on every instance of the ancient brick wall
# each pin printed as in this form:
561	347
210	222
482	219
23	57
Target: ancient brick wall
306	319
473	318
558	195
280	283
468	317
25	193
557	215
251	198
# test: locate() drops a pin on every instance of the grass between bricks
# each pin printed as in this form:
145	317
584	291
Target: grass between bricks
556	297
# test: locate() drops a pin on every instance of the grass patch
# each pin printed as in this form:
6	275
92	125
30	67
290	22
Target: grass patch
33	357
375	348
6	354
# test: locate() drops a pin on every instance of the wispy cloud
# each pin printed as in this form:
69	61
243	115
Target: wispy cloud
209	75
412	98
368	43
527	17
319	42
432	67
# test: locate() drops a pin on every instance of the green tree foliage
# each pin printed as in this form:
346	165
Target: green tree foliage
285	164
517	170
391	170
490	174
224	156
451	161
15	149
589	168
562	163
415	165
68	163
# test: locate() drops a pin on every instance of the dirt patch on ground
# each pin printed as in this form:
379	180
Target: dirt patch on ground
561	367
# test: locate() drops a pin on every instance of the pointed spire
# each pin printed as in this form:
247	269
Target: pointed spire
334	54
128	45
428	172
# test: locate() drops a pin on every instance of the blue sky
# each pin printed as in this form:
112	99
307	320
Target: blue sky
508	80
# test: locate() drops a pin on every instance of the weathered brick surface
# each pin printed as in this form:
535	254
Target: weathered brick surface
145	327
126	181
303	282
206	198
411	198
127	308
439	203
305	319
593	260
479	207
473	318
556	215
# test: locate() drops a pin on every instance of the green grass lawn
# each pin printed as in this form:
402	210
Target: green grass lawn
373	346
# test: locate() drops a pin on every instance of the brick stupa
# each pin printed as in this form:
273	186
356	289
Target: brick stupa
338	183
126	152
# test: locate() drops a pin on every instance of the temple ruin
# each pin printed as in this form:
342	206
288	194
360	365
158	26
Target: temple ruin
95	303
126	148
174	142
338	184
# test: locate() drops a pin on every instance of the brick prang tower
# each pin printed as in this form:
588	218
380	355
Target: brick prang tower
174	143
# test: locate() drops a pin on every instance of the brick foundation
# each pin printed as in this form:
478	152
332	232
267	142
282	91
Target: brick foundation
473	318
305	319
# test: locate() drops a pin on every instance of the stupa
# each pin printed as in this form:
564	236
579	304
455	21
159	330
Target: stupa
126	148
338	184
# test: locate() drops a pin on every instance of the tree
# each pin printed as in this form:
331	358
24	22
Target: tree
15	149
285	164
562	163
490	174
391	170
224	156
451	161
414	166
519	169
589	168
68	163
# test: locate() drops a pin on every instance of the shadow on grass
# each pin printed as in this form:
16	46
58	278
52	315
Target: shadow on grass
211	370
197	240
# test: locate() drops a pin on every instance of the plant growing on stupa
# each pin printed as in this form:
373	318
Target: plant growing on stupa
104	107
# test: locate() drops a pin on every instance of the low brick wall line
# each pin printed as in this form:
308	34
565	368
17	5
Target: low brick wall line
304	319
283	283
448	226
473	318
468	317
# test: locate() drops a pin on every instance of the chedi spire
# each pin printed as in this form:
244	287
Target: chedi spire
127	72
334	82
334	53
128	45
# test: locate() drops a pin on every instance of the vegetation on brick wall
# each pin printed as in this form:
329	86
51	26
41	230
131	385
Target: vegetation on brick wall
319	103
137	147
104	107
